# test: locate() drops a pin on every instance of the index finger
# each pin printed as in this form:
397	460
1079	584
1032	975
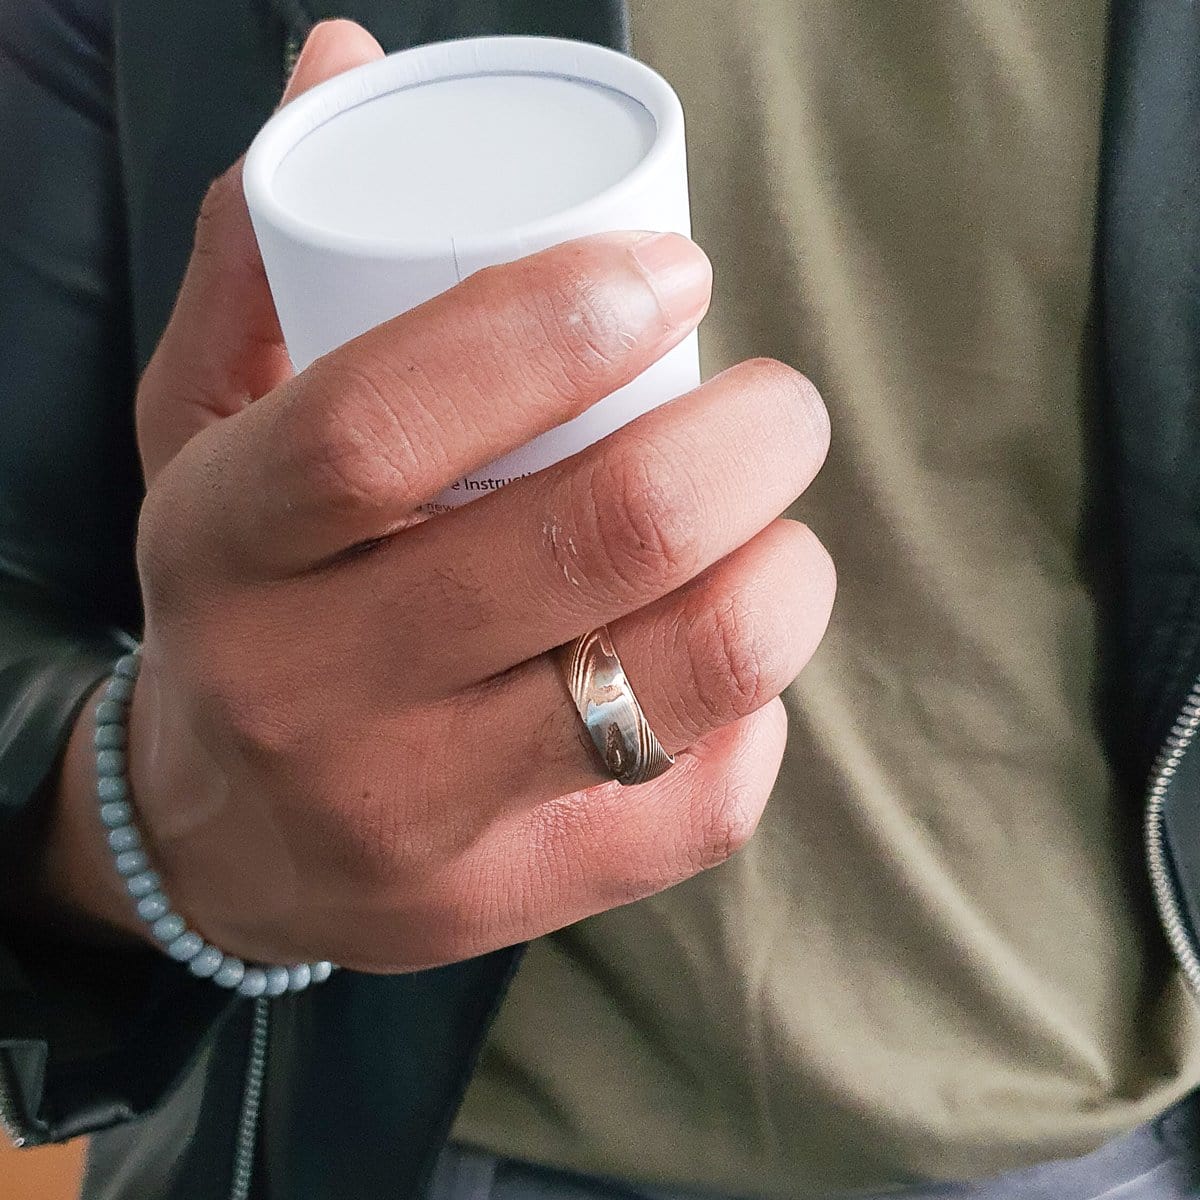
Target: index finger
346	452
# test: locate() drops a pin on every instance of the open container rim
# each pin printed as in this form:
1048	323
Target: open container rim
436	62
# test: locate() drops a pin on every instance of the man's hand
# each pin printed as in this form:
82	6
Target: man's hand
349	739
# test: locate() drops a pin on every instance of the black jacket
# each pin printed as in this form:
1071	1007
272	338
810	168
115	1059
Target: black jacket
113	123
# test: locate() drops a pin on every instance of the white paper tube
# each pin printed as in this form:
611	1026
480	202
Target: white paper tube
386	185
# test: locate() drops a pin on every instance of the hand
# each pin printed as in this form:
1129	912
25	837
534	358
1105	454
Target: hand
349	739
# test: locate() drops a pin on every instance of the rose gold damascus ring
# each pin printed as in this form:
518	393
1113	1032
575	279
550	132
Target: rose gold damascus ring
614	719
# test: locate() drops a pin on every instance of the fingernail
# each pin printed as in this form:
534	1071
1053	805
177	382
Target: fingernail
678	271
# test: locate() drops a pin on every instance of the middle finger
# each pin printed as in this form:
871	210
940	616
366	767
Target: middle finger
596	537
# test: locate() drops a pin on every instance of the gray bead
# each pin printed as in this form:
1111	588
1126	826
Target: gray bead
186	946
254	983
131	862
110	762
124	837
143	883
168	928
153	906
110	737
207	963
127	666
230	974
116	813
299	977
109	712
277	981
321	971
109	787
120	689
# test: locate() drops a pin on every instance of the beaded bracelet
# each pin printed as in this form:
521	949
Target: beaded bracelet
144	885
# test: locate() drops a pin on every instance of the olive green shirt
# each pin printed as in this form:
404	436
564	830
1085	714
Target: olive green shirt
937	958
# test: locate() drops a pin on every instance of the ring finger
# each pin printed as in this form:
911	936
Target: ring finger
707	655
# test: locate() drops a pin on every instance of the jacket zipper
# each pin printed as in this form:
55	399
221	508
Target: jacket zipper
1166	892
247	1129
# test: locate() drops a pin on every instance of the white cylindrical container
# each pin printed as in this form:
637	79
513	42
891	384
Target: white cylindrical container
382	187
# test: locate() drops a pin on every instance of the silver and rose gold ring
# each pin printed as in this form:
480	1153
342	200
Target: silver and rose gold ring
611	713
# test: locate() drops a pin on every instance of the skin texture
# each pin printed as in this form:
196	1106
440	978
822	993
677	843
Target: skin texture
350	739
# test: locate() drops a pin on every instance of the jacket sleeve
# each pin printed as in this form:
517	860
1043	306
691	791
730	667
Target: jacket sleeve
86	1038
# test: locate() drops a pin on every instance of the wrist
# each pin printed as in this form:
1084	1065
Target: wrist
153	908
75	883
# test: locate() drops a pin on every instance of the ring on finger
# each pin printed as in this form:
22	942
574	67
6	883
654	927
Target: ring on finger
614	719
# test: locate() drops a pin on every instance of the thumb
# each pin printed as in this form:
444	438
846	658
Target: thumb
222	347
331	48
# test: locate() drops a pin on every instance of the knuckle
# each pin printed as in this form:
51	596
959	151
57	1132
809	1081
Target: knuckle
734	660
349	446
640	528
564	314
581	325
